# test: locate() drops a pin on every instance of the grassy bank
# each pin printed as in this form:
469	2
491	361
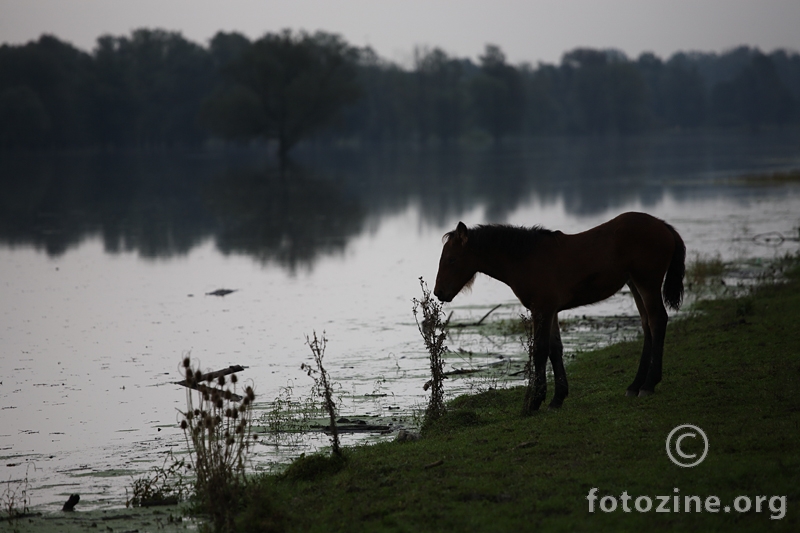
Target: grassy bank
733	369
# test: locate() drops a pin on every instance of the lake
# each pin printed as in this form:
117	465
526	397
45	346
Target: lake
107	261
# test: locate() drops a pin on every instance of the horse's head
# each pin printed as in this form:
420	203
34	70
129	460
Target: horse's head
457	266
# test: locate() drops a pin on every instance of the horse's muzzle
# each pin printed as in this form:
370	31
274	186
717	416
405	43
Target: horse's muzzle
441	296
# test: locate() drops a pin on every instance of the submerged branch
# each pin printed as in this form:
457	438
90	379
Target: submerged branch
478	323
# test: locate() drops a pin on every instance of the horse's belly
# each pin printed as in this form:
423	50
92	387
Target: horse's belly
592	290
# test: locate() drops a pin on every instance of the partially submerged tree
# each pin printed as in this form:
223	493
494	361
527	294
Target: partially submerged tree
285	87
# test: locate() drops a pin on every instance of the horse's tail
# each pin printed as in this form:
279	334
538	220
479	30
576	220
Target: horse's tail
673	284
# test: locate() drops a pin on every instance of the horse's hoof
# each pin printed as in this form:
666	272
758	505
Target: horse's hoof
554	406
631	393
643	393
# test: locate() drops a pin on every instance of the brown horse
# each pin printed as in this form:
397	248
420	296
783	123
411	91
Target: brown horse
550	271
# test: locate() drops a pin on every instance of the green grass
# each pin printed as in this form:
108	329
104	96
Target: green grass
771	178
732	368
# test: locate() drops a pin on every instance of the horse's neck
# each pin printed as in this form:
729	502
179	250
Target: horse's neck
497	267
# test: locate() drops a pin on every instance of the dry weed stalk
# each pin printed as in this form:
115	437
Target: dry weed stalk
528	334
218	434
433	329
323	388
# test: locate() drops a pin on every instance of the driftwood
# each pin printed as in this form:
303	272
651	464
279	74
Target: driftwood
71	502
471	324
221	292
459	371
156	502
353	428
210	377
347	425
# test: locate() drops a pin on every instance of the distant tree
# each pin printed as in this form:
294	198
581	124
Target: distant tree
498	95
24	121
605	92
285	86
227	47
440	100
676	92
787	66
684	96
116	103
384	110
543	111
756	96
149	88
45	82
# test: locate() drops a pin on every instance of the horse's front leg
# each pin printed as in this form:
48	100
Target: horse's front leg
557	362
537	381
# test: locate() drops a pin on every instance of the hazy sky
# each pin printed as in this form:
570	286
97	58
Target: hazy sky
527	30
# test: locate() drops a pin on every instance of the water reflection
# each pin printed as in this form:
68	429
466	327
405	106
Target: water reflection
165	205
287	217
145	204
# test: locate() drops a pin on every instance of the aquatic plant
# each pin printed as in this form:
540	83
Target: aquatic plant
702	271
162	485
433	329
218	430
16	498
323	388
288	416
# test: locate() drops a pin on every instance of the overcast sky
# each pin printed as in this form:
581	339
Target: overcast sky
527	30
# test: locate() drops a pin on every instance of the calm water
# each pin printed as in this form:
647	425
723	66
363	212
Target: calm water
105	262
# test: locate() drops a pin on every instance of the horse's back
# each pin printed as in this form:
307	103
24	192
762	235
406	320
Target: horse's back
642	243
592	265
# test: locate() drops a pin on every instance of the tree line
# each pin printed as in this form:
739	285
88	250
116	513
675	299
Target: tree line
156	89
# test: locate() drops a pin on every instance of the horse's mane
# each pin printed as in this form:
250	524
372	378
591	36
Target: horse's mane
517	241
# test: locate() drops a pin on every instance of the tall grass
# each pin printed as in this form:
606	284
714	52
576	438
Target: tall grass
702	271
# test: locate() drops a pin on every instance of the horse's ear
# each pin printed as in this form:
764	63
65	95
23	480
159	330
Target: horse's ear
462	233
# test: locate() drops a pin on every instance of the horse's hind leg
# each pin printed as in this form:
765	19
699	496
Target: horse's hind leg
657	320
557	361
644	360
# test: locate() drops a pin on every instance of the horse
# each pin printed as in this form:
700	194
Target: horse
550	271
